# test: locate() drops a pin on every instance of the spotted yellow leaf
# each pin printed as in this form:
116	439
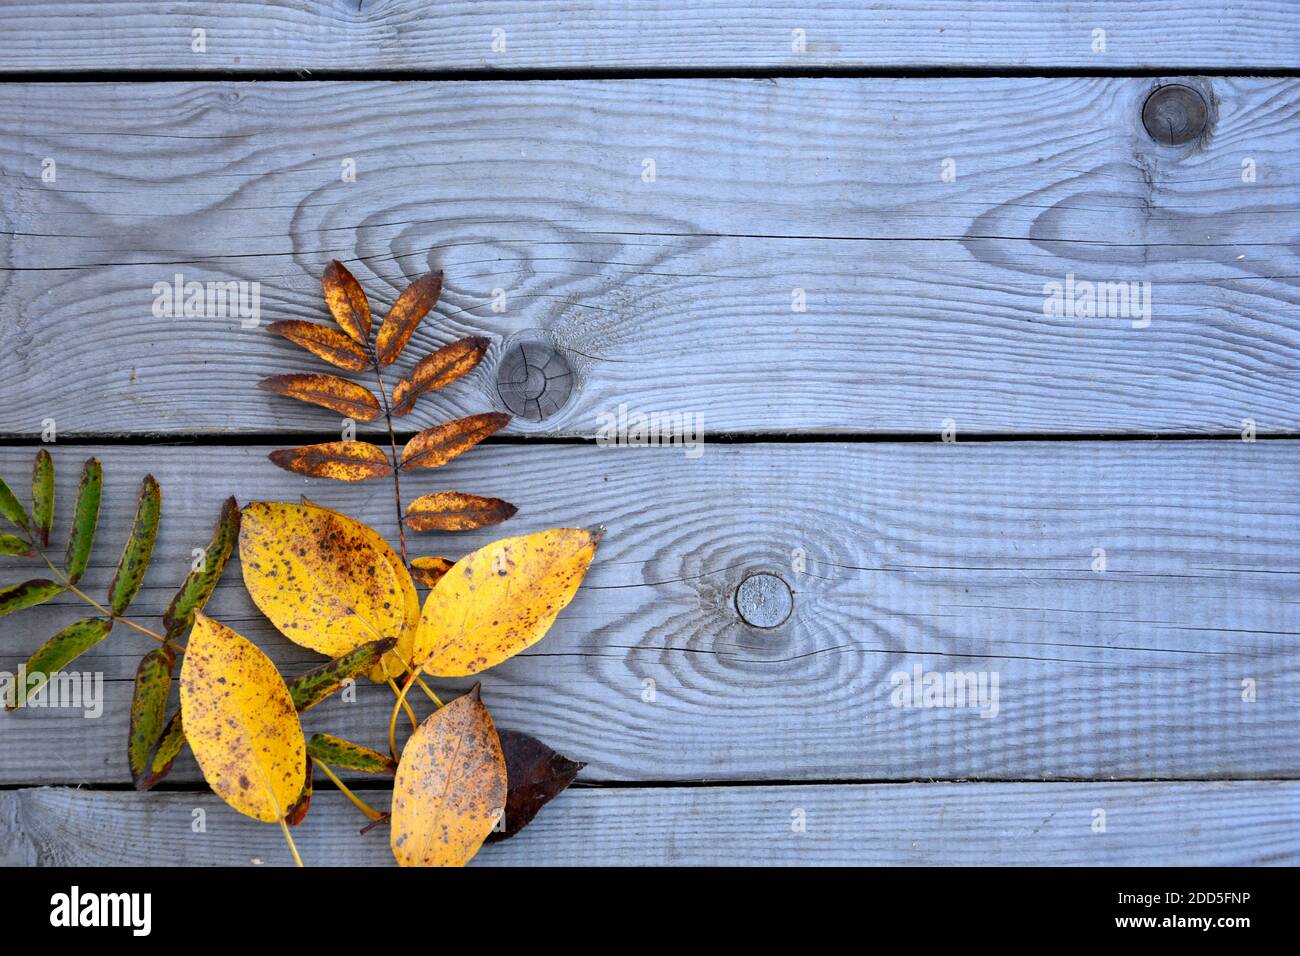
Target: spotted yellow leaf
241	723
501	599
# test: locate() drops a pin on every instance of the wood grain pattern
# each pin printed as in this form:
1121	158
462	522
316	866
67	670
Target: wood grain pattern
924	298
970	558
1147	824
627	34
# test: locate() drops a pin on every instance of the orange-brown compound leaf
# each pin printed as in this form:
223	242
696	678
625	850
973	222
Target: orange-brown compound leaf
429	570
438	445
501	599
340	460
347	302
454	511
411	306
322	341
327	582
241	723
450	788
438	370
328	391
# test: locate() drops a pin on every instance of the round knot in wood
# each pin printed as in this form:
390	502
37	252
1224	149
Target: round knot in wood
534	380
1174	115
764	600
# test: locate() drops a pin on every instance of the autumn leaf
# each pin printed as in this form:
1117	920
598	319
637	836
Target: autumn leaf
323	342
328	391
42	497
202	580
241	723
411	307
12	509
338	752
85	516
450	788
12	544
501	599
298	812
319	683
454	511
327	581
340	460
438	445
438	370
428	571
139	547
153	682
62	649
347	303
27	594
534	775
169	747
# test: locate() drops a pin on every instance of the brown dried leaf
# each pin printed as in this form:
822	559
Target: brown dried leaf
322	341
347	302
534	775
411	306
438	445
454	511
328	391
340	460
437	370
428	570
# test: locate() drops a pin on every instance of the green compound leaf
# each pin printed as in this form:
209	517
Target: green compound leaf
314	686
338	752
12	509
139	547
42	497
153	683
12	544
84	518
28	594
62	649
169	748
198	587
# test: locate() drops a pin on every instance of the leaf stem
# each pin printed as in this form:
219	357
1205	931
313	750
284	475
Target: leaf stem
288	838
373	815
392	720
423	686
396	462
402	698
63	579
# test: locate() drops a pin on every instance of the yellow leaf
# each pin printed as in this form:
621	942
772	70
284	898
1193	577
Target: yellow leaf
241	723
450	787
327	581
500	599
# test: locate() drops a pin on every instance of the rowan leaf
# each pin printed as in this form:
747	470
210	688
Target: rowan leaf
347	303
410	308
298	812
12	544
326	581
323	342
27	594
428	571
42	497
450	788
534	775
12	509
338	752
501	599
85	515
340	460
164	755
454	511
438	370
319	683
153	684
438	445
241	723
328	391
202	580
62	649
139	547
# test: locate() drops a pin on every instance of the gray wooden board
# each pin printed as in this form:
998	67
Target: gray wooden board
1146	824
627	34
924	298
951	558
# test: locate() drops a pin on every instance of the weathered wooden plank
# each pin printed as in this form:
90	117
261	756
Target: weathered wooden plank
624	34
924	298
937	824
962	558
